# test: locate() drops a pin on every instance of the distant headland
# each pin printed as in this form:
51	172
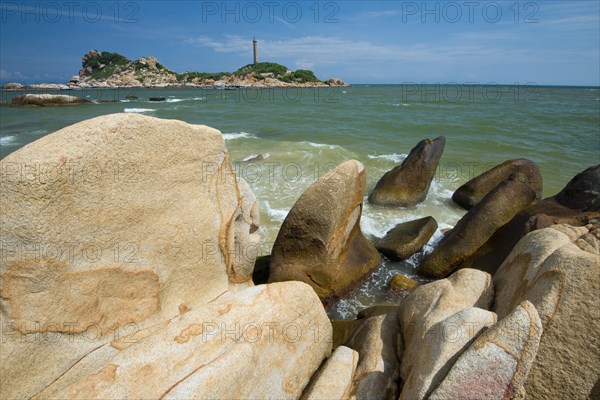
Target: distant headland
102	69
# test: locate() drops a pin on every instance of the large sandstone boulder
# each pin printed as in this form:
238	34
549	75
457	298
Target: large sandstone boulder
377	342
263	342
111	225
578	206
320	241
471	193
405	239
446	341
334	379
42	100
428	305
557	269
408	183
472	231
496	365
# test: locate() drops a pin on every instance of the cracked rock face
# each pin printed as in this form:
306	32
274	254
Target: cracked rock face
496	365
320	241
557	269
262	342
111	225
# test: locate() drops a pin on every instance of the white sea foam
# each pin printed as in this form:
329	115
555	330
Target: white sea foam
175	100
254	155
321	145
238	135
274	213
391	157
6	140
406	105
139	110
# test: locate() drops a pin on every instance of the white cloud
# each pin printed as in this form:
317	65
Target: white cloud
304	64
377	14
14	75
335	50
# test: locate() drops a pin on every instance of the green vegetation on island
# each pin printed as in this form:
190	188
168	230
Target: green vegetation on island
104	65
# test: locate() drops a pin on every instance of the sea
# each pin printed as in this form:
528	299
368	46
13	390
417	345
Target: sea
281	140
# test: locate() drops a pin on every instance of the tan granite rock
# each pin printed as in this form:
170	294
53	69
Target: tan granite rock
446	341
260	342
434	302
111	225
320	242
496	365
334	379
557	269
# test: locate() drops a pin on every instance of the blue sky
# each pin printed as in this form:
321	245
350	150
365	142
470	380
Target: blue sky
541	42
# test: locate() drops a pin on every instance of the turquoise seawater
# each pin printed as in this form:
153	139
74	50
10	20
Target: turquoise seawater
302	133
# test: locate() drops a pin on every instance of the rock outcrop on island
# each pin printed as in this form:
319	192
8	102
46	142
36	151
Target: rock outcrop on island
407	238
13	86
44	100
121	264
320	242
557	269
408	183
472	192
473	230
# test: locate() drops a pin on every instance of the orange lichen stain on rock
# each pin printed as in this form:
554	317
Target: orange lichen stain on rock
187	333
224	310
183	309
48	291
108	373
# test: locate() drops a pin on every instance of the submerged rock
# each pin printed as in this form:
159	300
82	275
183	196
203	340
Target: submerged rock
407	238
557	269
42	100
472	192
472	231
320	242
496	365
408	183
402	284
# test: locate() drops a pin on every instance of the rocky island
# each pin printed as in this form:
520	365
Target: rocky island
102	69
